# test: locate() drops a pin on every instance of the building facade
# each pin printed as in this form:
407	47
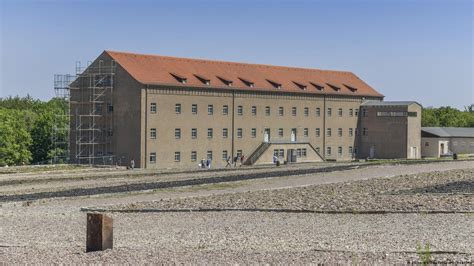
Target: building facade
445	141
166	112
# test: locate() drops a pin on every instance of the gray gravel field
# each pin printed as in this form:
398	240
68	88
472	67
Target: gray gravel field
448	191
52	230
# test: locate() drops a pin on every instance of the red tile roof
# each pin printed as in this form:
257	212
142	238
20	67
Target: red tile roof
164	70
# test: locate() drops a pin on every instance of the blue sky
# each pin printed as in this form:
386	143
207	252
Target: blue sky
418	50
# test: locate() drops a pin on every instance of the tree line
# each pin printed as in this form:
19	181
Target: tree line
26	127
448	117
26	130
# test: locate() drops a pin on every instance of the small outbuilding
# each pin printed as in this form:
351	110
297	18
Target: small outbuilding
445	141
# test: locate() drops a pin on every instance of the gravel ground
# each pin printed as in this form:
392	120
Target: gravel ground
53	230
449	191
233	237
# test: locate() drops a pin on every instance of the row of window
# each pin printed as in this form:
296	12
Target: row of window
240	110
253	132
194	156
280	153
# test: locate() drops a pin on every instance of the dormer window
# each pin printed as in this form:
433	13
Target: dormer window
300	85
319	87
352	89
227	82
179	78
204	80
276	85
248	82
334	87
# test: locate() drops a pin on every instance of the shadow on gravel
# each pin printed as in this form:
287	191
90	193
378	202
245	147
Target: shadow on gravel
76	192
270	210
453	187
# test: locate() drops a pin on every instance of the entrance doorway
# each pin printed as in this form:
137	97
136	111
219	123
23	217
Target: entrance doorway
441	149
266	135
372	152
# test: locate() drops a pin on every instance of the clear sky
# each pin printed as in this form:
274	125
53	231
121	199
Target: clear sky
418	50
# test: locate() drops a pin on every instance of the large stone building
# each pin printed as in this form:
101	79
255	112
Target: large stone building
166	112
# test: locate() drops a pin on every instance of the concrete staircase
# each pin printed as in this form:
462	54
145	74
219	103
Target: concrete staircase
256	154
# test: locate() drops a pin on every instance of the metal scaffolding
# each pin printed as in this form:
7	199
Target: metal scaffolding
91	100
61	129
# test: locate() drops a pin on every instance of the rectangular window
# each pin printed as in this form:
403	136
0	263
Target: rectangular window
351	132
194	133
210	109
339	132
298	153
254	110
318	132
209	155
281	111
177	133
240	110
254	132
275	152
280	132
305	132
209	133
306	111
177	108
412	114
153	108
293	111
267	110
339	112
239	153
328	132
152	157
152	133
356	112
224	133
110	108
193	156
282	153
194	109
303	152
225	110
318	111
364	112
365	132
224	155
351	112
239	133
328	151
177	156
329	111
339	151
350	150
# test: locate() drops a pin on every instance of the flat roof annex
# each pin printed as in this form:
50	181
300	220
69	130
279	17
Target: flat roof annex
162	70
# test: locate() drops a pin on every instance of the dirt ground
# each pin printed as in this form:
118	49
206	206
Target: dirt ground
309	213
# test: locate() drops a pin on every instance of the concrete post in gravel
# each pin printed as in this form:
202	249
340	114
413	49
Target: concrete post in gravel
99	232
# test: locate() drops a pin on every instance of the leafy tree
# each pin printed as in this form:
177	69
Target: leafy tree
447	117
15	140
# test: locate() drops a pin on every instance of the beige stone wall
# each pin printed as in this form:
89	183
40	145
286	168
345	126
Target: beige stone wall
165	121
414	133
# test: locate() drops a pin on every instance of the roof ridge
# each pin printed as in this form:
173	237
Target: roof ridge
232	62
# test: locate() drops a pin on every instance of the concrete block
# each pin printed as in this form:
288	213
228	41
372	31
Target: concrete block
99	232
